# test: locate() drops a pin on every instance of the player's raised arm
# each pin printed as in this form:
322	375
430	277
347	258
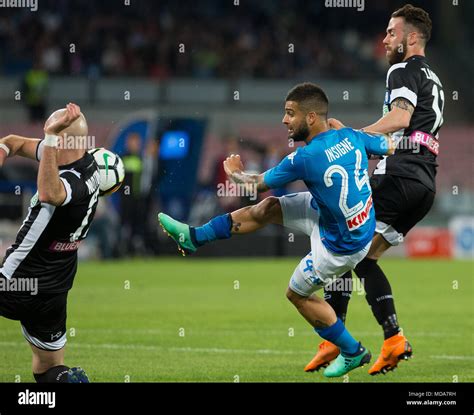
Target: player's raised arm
290	169
15	145
235	171
50	187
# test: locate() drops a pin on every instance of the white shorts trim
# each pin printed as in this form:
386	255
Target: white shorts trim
389	233
49	346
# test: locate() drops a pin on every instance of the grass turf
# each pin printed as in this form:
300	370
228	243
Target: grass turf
226	320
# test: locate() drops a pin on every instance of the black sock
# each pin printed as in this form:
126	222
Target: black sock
338	294
379	295
57	374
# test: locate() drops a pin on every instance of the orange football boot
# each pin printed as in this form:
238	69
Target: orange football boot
327	352
394	349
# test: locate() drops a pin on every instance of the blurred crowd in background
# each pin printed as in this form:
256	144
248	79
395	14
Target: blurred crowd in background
268	39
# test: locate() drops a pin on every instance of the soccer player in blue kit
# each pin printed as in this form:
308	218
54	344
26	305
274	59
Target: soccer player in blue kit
336	213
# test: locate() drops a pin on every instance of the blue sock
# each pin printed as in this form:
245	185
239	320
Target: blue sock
217	228
338	334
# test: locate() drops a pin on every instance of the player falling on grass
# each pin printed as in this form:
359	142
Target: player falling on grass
336	213
403	184
46	245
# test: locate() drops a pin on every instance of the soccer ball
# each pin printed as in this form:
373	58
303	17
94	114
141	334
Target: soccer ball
111	169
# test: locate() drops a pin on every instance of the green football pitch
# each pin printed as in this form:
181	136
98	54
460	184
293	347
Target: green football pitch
227	320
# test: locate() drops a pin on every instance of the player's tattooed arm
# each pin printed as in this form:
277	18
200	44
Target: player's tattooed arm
403	104
234	169
253	181
399	117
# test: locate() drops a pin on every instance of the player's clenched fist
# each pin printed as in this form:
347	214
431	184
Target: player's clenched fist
72	113
233	164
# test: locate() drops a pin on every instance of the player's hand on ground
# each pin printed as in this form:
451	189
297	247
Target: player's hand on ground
72	113
335	124
233	164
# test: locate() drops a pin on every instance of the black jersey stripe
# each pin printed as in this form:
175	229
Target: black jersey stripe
25	227
27	238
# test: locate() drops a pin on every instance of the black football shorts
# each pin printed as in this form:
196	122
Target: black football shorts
42	317
400	203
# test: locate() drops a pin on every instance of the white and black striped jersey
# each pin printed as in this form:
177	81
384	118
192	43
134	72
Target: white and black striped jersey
47	242
416	82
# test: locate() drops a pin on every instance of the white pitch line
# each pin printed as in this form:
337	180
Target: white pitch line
449	357
116	346
226	332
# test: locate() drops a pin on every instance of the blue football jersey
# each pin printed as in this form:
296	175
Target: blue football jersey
334	168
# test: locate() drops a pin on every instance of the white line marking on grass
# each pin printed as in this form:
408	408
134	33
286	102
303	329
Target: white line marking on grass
227	332
117	346
242	351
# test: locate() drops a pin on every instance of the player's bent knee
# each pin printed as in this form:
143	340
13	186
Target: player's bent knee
294	298
378	247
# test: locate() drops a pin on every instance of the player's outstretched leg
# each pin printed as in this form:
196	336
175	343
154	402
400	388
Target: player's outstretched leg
180	232
246	220
189	238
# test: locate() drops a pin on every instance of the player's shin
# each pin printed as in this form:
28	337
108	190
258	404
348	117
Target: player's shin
218	227
252	218
324	321
56	374
353	354
379	295
340	336
338	294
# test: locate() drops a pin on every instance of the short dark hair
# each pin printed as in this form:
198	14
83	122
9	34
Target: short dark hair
417	17
309	97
